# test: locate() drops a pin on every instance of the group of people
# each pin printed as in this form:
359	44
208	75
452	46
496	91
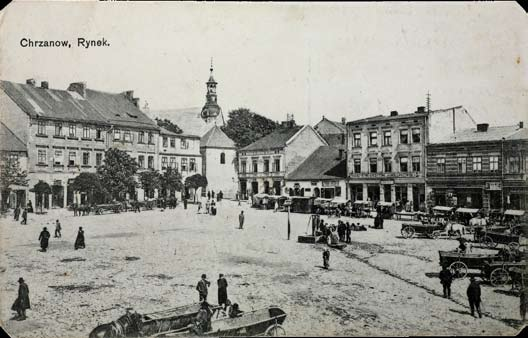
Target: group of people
343	229
16	214
45	236
210	207
211	195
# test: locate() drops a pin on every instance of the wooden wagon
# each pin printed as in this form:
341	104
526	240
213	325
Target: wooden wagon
431	230
99	209
491	238
498	273
459	263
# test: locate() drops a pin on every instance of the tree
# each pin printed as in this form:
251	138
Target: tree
11	174
169	125
196	181
245	127
117	173
91	184
171	180
149	180
41	189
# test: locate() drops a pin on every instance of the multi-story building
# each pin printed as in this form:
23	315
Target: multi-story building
264	164
180	152
66	132
483	167
333	132
12	147
386	154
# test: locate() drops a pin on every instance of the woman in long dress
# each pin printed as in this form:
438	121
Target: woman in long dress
79	241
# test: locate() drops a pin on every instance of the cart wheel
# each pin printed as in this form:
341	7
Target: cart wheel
499	277
488	242
435	234
407	232
458	269
516	284
98	212
275	330
514	246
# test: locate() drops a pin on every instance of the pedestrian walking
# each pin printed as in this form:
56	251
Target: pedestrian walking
201	287
44	239
24	216
473	294
29	207
208	195
212	194
446	278
17	213
58	229
222	291
348	232
75	209
326	258
241	220
79	241
185	203
523	302
21	304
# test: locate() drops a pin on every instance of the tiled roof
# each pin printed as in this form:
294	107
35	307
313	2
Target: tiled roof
276	139
9	141
379	118
188	119
521	134
472	135
326	126
323	164
216	138
97	107
165	131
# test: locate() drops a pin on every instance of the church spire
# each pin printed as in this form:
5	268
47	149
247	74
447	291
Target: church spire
211	109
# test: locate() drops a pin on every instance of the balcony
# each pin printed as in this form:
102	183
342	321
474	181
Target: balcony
261	174
386	175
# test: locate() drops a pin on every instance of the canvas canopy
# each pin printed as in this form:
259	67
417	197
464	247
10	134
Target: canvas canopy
360	202
467	210
442	208
385	204
512	212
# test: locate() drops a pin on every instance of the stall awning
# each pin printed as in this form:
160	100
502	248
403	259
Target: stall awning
467	210
339	200
512	212
360	202
442	208
261	195
385	204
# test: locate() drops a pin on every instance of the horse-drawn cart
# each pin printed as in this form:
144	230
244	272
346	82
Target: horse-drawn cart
459	263
498	272
99	209
408	230
492	238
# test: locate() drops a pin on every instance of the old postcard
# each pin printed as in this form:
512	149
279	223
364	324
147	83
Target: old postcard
178	169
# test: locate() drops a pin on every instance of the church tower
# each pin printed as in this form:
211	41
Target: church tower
211	109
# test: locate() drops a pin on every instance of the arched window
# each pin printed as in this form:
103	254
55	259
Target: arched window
222	158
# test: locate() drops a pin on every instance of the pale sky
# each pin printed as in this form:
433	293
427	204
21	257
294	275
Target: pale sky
339	60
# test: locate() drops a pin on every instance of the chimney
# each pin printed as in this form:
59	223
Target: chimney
78	87
129	94
420	110
343	120
31	82
483	127
44	85
521	124
394	113
135	100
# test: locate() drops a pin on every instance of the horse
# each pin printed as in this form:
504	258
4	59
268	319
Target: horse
455	229
127	325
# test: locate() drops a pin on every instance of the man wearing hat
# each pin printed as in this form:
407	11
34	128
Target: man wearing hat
44	239
222	291
202	288
22	302
473	294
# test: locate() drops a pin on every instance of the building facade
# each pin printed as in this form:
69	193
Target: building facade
333	132
483	167
12	148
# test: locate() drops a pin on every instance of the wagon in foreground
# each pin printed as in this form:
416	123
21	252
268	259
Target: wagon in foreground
459	263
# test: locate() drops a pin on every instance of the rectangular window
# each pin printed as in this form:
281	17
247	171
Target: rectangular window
461	163
164	161
72	130
173	142
404	164
373	138
387	164
416	135
192	164
494	163
86	158
338	191
58	129
477	164
99	134
513	166
191	144
117	134
141	161
440	165
357	165
98	159
184	144
387	138
357	140
255	166
172	162
58	157
86	132
165	141
243	166
41	156
150	163
72	158
127	136
416	163
373	165
266	166
183	164
404	136
277	165
150	138
141	137
41	128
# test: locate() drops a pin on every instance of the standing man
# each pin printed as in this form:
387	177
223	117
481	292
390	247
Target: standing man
222	291
348	231
473	294
523	302
201	287
208	195
212	194
17	213
185	203
241	220
58	229
326	258
79	241
446	278
24	216
44	239
21	304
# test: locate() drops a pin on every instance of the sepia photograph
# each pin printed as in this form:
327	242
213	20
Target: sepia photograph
179	169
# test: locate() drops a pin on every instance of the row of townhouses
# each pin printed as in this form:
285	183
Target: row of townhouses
57	134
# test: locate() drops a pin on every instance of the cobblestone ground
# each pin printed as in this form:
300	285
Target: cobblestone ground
381	284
